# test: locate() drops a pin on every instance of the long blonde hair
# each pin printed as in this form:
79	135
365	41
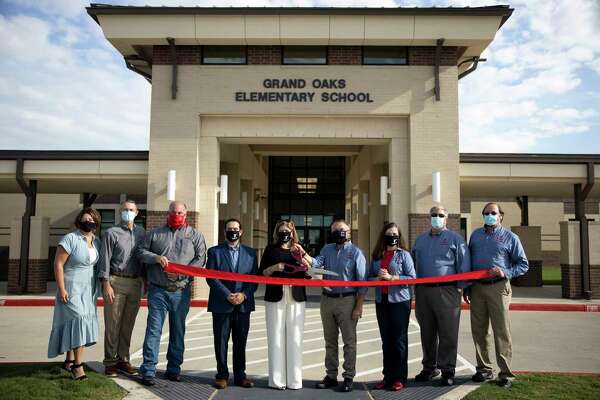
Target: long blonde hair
291	226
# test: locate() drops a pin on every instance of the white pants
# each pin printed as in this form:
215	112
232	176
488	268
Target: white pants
285	329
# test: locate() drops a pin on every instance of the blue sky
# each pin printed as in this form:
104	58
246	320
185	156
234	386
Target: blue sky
62	86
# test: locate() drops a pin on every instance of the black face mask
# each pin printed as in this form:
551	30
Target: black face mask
232	236
87	226
391	240
339	237
284	237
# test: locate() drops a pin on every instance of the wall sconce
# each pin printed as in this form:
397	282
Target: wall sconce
384	190
244	202
365	203
171	184
256	210
223	189
436	189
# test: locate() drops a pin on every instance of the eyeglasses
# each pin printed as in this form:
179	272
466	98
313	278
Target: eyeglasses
433	215
490	212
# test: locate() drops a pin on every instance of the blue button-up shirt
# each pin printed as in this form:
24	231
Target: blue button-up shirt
498	248
349	263
402	266
441	254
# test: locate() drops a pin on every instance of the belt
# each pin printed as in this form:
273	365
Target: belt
338	295
169	288
124	275
438	284
491	281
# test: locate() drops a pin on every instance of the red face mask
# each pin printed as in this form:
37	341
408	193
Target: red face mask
176	221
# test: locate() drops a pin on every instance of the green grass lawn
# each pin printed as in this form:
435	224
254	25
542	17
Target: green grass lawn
542	387
49	381
551	275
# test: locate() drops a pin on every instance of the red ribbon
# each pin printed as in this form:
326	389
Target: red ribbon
234	276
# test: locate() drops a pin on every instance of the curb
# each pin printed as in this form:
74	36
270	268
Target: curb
49	302
578	307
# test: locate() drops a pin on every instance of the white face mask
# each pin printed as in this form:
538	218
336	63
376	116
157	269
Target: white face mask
127	216
437	222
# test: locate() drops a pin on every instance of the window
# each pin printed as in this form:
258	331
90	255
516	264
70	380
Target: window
316	55
385	55
108	220
224	55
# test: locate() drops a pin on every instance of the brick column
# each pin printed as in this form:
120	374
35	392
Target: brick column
420	223
570	261
37	263
531	239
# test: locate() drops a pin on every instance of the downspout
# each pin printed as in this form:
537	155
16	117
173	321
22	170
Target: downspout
475	61
173	51
30	192
584	241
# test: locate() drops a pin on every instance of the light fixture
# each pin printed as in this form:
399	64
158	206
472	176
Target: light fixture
171	184
223	189
384	190
365	203
436	194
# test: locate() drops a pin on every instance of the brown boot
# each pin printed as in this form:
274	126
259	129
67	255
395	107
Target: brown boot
220	383
245	383
127	368
110	370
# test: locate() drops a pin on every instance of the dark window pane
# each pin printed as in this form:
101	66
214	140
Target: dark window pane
305	55
385	55
224	55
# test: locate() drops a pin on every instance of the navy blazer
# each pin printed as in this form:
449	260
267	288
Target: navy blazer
220	260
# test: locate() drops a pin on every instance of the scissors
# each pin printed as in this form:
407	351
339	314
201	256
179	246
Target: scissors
290	269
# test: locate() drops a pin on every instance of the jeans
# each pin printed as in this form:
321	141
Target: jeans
177	305
393	319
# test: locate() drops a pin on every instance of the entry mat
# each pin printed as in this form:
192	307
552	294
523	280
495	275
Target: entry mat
199	387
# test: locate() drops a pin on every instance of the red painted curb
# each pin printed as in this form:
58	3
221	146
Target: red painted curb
50	303
45	302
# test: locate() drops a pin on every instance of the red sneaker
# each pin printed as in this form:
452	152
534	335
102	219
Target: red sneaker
397	386
380	385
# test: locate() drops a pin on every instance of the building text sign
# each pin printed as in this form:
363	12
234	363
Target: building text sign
298	90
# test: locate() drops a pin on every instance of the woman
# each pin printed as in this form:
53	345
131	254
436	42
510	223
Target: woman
284	309
392	261
75	324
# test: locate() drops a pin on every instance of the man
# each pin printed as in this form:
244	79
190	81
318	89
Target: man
231	303
439	252
170	293
341	307
120	272
498	250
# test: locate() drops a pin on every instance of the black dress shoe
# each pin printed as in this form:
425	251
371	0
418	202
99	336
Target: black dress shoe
173	377
326	383
447	380
425	376
148	381
482	376
504	383
346	386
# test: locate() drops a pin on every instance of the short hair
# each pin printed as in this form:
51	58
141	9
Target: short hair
439	207
87	210
130	202
288	224
171	204
337	221
233	220
493	203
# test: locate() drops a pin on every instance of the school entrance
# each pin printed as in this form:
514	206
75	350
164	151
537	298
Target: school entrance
310	191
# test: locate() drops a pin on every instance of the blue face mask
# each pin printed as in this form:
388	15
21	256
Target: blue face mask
437	222
127	216
490	219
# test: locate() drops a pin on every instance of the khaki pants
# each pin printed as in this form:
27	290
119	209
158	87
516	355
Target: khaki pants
119	318
336	315
490	303
438	312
